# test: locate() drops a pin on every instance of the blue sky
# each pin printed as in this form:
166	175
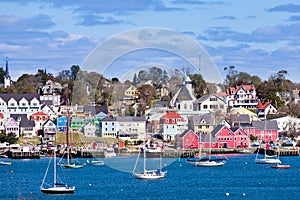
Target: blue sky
259	37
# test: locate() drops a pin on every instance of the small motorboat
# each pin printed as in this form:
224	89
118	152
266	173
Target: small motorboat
281	166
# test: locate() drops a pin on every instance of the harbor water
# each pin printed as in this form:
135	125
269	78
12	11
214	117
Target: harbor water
239	178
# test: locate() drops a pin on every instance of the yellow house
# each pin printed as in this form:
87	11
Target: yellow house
202	123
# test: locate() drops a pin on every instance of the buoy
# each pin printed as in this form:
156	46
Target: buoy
227	193
90	184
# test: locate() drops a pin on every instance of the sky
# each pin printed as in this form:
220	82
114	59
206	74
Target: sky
260	37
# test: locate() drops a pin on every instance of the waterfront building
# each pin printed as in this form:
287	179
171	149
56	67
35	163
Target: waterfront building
265	130
187	140
233	137
132	126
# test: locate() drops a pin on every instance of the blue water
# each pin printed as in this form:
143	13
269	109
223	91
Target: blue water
241	178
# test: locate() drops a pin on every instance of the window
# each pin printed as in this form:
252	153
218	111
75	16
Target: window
205	106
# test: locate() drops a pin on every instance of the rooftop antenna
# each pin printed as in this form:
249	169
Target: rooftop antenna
199	63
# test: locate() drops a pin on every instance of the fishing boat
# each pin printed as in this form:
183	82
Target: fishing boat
148	174
55	187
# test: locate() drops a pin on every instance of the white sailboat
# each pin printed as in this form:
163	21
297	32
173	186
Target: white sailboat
148	174
265	159
55	188
209	161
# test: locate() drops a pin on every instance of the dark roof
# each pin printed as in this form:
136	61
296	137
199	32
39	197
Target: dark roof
242	118
93	110
184	94
206	96
217	129
209	119
130	119
109	118
6	97
268	125
160	104
24	120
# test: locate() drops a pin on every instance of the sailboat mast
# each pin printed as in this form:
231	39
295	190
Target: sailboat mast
54	157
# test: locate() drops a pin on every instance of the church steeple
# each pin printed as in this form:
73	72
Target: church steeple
7	80
6	68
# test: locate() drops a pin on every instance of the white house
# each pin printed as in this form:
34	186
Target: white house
19	104
211	103
89	130
243	95
108	127
49	130
262	110
288	124
132	126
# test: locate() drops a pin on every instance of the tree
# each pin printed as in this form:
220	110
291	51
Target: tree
231	76
74	71
146	94
135	80
2	74
199	84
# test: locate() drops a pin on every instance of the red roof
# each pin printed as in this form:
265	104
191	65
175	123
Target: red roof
39	114
1	115
262	106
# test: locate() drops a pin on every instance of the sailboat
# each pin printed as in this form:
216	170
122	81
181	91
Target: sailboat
56	188
148	174
266	159
95	161
69	164
209	161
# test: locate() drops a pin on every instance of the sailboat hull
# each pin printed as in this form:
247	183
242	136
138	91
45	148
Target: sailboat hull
151	175
58	190
267	161
209	163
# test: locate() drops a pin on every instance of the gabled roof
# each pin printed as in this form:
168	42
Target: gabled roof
261	106
234	90
202	119
186	132
160	104
207	96
184	94
39	114
171	115
24	120
6	97
217	129
95	109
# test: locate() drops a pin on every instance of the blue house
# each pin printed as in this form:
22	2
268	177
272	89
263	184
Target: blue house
61	124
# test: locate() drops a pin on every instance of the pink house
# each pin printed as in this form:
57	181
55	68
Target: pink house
187	140
231	137
265	130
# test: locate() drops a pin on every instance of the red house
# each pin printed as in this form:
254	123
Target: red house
231	137
187	140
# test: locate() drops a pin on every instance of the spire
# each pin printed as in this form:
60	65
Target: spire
6	68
